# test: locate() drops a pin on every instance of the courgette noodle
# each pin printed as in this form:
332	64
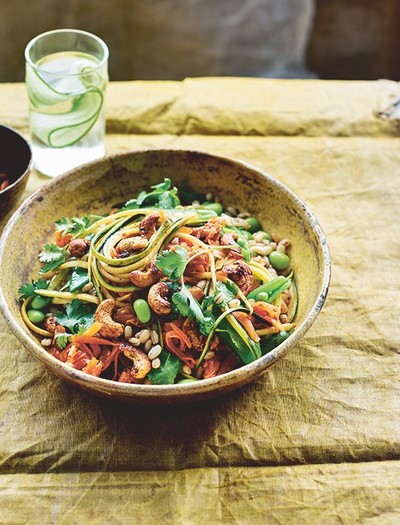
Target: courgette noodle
156	292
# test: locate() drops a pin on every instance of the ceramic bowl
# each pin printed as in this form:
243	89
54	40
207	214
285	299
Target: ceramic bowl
16	164
98	185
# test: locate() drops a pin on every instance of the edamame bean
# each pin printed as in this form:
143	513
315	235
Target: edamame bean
262	296
39	302
214	206
280	261
142	310
254	224
35	316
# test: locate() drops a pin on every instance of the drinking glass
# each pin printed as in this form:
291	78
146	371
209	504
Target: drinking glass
66	78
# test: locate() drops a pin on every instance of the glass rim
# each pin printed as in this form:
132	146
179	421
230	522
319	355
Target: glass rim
34	40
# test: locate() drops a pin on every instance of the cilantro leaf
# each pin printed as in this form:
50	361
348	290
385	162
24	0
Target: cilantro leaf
77	315
29	289
169	199
53	256
162	196
173	263
79	278
62	339
187	305
75	225
229	290
168	370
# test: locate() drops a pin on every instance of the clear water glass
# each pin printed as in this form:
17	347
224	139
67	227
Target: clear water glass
66	76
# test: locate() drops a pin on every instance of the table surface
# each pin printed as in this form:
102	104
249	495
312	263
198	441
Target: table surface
317	438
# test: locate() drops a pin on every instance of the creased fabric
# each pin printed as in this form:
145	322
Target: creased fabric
317	438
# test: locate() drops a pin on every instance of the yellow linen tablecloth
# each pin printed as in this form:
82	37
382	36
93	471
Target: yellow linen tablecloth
317	438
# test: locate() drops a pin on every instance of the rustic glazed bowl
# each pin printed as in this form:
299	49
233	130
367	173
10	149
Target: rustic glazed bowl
16	163
95	187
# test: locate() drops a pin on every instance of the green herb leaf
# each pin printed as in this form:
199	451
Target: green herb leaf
77	315
187	305
79	278
29	289
168	200
162	196
62	339
244	347
168	370
76	225
53	256
242	241
272	341
229	290
173	263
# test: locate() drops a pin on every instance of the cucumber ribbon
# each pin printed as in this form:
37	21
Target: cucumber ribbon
78	112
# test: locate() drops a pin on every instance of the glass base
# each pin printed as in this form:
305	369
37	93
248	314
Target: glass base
53	162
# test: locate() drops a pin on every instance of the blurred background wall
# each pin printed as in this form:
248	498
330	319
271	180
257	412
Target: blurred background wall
173	39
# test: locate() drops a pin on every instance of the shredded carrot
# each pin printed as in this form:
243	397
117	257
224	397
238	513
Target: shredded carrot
245	321
178	351
96	350
268	312
93	329
181	335
78	339
113	356
93	367
86	349
62	240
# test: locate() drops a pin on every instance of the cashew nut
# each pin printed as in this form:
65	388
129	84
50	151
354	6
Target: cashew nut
147	226
141	364
145	278
157	299
241	274
109	327
131	244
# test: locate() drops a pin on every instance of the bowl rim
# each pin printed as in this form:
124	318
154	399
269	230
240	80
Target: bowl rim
30	163
128	390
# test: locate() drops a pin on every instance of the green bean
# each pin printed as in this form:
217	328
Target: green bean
279	260
142	309
35	316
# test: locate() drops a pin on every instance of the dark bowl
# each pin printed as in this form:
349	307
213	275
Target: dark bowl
16	164
98	185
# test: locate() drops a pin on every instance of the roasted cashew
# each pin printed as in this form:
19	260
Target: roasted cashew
131	244
109	327
148	224
241	274
78	247
157	299
146	278
141	363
